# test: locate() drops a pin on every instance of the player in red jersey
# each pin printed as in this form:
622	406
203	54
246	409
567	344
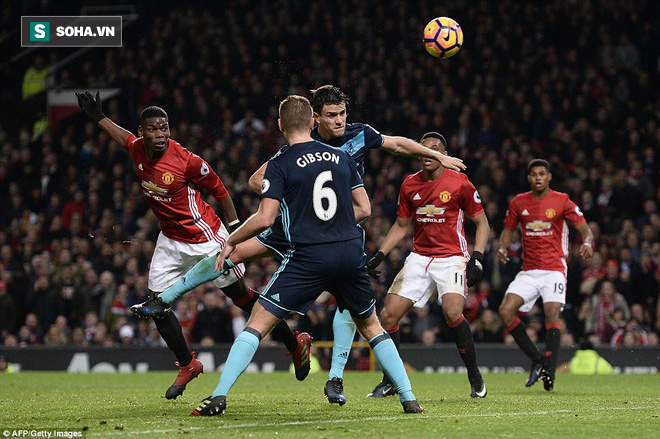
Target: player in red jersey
171	178
542	214
436	200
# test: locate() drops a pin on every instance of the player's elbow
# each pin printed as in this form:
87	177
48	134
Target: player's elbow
265	221
483	224
362	212
254	184
367	209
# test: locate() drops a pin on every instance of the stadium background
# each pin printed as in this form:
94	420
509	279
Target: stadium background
575	82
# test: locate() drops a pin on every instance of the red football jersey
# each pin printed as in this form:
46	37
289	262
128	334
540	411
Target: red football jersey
544	228
438	211
171	184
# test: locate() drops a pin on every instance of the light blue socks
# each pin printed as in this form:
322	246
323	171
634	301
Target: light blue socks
240	355
343	328
391	362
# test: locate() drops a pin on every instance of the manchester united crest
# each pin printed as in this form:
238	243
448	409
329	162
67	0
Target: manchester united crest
168	177
445	196
550	213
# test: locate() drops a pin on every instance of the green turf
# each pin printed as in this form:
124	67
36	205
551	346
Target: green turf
266	405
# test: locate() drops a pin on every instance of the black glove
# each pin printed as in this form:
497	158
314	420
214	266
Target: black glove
90	106
233	227
373	263
475	268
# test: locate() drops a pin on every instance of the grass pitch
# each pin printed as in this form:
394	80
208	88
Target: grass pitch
269	405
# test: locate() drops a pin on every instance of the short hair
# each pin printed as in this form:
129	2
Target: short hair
327	95
295	114
152	111
435	135
538	162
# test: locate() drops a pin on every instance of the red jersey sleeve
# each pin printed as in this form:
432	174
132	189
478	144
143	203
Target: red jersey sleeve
130	141
405	209
470	199
572	212
200	173
512	217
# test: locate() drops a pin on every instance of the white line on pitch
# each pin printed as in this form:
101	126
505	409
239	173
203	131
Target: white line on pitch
379	418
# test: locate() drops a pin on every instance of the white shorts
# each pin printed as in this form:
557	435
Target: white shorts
421	275
550	285
172	259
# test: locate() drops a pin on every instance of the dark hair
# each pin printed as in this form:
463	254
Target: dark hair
434	135
538	162
327	95
152	111
295	113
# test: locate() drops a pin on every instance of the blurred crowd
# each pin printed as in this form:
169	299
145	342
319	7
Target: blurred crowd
572	82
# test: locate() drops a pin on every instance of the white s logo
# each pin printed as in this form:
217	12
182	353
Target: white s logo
40	31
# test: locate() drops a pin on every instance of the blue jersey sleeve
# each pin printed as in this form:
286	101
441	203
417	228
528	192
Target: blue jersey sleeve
373	138
272	185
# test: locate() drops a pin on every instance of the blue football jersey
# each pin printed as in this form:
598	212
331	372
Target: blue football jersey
314	184
355	141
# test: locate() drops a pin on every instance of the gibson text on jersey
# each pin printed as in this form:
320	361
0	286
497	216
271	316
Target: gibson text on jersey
324	156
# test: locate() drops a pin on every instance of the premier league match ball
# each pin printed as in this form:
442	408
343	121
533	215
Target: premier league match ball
443	37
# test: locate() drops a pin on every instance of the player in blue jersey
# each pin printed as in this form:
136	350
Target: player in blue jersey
321	198
330	114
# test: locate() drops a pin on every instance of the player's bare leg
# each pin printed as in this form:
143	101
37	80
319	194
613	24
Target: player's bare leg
509	312
389	359
552	312
393	311
452	308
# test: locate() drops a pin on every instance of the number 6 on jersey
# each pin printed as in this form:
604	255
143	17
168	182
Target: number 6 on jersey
319	193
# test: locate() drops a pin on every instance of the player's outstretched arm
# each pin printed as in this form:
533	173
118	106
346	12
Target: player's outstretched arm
361	204
586	249
505	240
93	108
404	146
254	183
396	233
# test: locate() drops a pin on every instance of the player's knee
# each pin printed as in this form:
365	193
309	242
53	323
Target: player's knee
506	312
552	315
387	319
452	315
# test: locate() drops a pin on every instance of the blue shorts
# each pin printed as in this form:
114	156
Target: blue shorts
274	238
308	270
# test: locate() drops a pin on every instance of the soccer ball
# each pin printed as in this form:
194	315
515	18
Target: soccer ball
443	37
